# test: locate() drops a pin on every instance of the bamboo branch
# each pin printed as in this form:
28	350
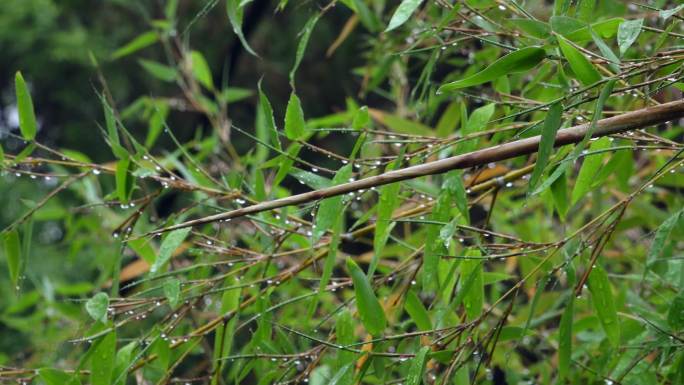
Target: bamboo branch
629	121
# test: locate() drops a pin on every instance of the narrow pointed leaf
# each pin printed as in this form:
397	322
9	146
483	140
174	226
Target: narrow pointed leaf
415	308
27	116
589	170
331	208
565	340
12	247
295	125
473	301
552	123
303	43
172	242
415	373
144	40
628	32
158	70
267	111
659	239
102	361
604	304
585	72
235	9
172	291
201	70
521	60
97	307
371	313
403	12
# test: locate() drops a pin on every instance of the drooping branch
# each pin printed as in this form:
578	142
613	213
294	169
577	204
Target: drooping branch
613	125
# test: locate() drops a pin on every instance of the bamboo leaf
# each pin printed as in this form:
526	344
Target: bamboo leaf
295	125
330	208
552	123
414	307
403	12
201	70
267	111
172	242
415	372
158	70
675	314
387	203
589	170
565	341
521	60
235	10
628	32
12	246
172	291
604	304
124	181
303	42
534	28
473	301
27	116
97	307
667	13
658	243
371	313
142	41
102	361
585	72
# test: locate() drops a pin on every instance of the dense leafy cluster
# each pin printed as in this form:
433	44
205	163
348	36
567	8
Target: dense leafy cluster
224	234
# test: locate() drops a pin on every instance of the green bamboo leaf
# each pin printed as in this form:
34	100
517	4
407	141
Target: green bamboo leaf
521	60
201	70
124	180
589	170
606	51
403	12
534	28
303	42
12	246
158	70
27	116
102	362
235	10
122	362
144	40
565	341
172	242
658	244
295	125
2	157
477	122
341	375
172	291
387	203
552	123
97	307
565	24
559	191
286	163
604	304
371	313
330	208
267	111
344	332
112	131
415	372
675	314
581	66
441	212
52	376
667	13
473	301
628	32
415	308
604	28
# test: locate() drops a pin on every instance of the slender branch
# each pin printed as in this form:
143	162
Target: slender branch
613	125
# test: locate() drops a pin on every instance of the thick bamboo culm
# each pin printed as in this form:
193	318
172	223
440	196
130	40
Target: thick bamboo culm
620	123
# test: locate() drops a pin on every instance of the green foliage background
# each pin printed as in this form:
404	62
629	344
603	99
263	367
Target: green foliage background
560	267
